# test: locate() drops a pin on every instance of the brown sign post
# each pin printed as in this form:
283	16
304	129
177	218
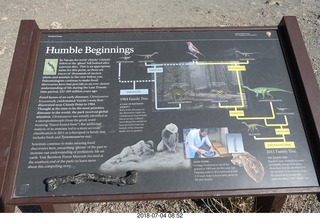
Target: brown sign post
138	114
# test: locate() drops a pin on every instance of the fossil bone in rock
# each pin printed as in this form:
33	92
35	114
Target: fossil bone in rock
251	164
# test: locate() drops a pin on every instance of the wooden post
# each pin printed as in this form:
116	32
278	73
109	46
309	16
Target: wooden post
7	208
10	114
270	203
58	208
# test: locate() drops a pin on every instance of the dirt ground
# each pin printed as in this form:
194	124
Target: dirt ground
166	13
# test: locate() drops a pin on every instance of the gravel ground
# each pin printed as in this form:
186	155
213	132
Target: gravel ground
165	13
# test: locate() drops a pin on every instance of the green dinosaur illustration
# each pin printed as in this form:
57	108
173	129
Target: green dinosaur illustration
177	93
252	127
265	91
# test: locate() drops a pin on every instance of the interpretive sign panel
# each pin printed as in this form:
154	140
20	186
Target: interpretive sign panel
131	114
188	110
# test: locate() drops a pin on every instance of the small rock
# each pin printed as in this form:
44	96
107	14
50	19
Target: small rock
2	50
4	18
97	209
55	25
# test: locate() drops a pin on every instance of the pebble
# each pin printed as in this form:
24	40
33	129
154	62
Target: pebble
4	18
2	50
55	25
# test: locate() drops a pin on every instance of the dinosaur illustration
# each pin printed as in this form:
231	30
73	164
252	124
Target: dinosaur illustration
246	54
177	93
265	91
252	127
147	56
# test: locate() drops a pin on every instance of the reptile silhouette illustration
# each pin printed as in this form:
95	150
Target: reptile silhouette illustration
252	127
246	54
147	56
265	91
